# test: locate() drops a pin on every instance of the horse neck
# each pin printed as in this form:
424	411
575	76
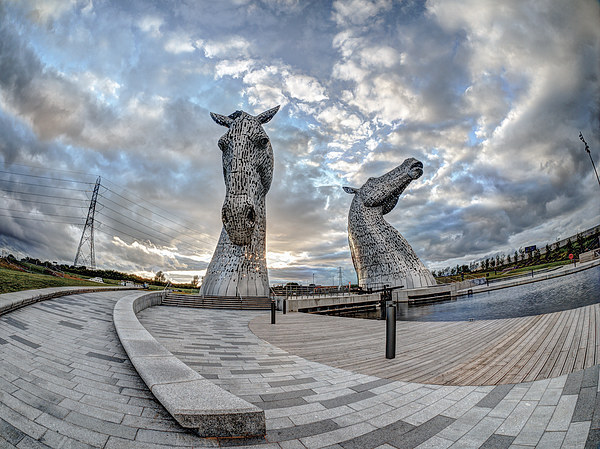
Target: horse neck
365	220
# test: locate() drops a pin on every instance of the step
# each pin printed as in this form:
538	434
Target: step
214	302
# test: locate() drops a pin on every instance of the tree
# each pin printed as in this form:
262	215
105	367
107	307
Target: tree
580	242
516	257
569	246
160	277
508	261
548	251
195	280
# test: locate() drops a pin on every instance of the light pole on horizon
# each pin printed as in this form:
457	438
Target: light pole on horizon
587	148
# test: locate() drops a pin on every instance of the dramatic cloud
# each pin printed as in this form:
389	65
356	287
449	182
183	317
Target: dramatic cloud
490	96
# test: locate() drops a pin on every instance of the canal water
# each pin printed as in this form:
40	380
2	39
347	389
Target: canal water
552	295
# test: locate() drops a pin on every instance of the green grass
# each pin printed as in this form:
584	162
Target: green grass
508	274
14	281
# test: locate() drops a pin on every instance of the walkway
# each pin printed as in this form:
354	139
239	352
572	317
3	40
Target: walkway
65	382
486	352
314	405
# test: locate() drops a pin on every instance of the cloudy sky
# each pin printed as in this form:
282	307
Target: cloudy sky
490	96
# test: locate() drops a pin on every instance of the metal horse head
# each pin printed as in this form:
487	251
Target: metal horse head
248	172
385	190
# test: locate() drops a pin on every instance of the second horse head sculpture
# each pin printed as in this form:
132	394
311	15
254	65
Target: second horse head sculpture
380	254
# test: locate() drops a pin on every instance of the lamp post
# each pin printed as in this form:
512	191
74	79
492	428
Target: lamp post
587	148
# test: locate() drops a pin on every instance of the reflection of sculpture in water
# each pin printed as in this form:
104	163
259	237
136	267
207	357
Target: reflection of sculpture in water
238	266
380	254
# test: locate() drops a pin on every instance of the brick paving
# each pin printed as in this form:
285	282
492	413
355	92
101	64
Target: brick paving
65	381
309	404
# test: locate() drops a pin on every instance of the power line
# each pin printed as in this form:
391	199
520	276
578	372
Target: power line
40	219
182	225
42	194
146	201
28	212
37	185
151	211
46	177
21	200
131	227
150	220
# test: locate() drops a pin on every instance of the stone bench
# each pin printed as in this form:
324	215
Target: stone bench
195	402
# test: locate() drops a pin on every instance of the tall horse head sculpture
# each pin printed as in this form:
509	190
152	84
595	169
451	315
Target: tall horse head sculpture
380	254
238	266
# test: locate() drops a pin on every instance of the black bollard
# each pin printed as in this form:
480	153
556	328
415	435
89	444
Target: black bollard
390	333
284	307
272	312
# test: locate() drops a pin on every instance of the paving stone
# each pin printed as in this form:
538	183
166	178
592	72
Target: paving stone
20	422
480	433
421	433
10	433
590	377
29	443
297	432
101	425
174	439
585	405
535	426
562	414
434	442
573	383
493	398
337	436
593	439
576	436
551	440
497	442
287	395
371	385
517	419
58	440
551	396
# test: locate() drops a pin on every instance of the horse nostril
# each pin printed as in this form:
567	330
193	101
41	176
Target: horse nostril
251	216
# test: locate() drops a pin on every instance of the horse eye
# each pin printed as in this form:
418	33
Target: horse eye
263	141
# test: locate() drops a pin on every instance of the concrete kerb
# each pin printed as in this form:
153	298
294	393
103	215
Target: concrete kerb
195	402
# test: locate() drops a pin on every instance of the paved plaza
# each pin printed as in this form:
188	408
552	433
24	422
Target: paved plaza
65	381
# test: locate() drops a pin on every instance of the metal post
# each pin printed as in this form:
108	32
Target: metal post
284	307
272	312
390	333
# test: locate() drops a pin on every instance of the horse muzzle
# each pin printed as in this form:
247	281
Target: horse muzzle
239	220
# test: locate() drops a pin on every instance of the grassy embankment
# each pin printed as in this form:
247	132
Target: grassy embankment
14	281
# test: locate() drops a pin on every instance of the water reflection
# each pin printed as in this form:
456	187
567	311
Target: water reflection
553	295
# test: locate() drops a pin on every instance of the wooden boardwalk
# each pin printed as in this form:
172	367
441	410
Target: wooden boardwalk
488	352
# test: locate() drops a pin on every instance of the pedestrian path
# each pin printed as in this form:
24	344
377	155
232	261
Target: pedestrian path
314	405
65	381
484	352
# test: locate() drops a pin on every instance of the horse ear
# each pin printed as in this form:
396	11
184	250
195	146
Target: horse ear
266	116
222	120
351	190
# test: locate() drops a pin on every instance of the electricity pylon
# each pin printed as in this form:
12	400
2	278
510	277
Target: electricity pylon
88	230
